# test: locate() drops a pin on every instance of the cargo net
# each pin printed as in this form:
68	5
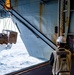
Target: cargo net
8	37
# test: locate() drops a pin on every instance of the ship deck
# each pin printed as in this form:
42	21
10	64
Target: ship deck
40	69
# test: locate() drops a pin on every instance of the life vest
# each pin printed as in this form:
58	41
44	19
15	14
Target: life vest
62	62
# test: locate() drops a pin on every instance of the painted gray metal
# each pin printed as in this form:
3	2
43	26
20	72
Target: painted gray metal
31	11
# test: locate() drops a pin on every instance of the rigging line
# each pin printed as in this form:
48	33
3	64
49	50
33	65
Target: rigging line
7	11
33	31
4	24
33	27
15	24
17	27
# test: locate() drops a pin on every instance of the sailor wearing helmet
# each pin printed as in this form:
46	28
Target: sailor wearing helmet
61	42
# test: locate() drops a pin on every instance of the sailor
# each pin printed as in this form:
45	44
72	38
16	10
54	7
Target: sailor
59	42
54	60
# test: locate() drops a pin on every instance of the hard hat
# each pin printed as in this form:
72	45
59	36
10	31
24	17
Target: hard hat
61	39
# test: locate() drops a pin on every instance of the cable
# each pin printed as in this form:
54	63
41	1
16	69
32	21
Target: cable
33	31
33	26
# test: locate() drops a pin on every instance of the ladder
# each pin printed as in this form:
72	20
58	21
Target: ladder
64	14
